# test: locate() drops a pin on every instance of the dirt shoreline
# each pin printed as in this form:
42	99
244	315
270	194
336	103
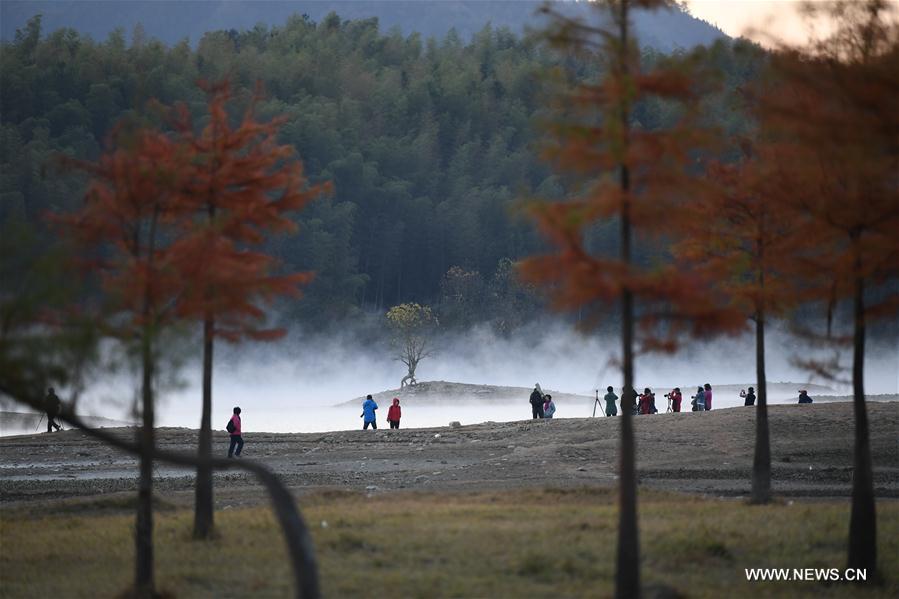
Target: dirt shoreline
708	453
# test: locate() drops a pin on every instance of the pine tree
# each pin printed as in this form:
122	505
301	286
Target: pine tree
125	222
738	239
834	130
241	186
638	178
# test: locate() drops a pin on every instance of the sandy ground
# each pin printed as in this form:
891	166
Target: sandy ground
706	453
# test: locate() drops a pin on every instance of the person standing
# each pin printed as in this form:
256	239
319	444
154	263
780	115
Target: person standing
368	413
647	401
674	399
549	408
394	413
748	398
236	434
537	402
52	405
699	400
708	397
610	397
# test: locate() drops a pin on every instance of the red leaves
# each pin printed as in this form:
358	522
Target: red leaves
831	136
597	143
241	187
172	219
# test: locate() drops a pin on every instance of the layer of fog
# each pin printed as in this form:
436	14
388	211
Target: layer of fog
292	385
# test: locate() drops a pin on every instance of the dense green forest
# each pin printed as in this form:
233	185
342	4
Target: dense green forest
663	30
430	144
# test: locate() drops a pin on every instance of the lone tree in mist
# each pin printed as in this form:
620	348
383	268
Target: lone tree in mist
834	126
240	187
738	239
638	178
412	326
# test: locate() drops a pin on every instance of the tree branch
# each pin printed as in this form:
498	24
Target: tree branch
299	541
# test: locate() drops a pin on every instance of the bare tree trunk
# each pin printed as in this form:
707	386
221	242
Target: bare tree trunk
863	521
761	463
204	513
627	573
144	584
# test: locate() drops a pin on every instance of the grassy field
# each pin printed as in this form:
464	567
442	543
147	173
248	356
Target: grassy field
547	543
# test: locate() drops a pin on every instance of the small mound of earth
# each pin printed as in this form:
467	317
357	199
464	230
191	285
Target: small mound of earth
433	392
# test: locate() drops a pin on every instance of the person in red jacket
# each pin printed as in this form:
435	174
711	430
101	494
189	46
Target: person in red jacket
236	438
708	396
674	399
394	413
646	401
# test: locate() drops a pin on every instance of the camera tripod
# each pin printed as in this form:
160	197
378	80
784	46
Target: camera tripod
596	403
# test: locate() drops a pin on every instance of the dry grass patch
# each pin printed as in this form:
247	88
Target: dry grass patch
528	543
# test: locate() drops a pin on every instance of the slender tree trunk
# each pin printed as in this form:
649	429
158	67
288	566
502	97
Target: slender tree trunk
204	514
863	522
204	510
144	584
761	463
627	573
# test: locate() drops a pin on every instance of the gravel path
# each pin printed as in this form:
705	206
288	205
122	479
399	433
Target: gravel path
706	453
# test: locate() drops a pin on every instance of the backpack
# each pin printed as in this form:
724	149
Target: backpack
230	426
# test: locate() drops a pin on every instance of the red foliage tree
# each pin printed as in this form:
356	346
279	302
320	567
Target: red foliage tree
639	178
132	198
834	125
738	238
174	218
240	187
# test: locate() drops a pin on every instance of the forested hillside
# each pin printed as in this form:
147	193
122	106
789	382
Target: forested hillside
429	144
664	30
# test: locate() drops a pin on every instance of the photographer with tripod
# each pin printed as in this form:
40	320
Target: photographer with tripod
674	399
648	402
52	406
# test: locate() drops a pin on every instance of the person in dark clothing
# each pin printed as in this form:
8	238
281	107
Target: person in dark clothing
748	398
803	397
236	435
630	400
537	402
52	405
